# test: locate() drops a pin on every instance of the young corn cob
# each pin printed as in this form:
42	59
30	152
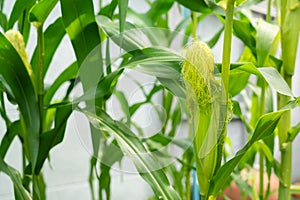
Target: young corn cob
17	41
203	93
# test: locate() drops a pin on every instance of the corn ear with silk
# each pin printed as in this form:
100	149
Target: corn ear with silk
204	101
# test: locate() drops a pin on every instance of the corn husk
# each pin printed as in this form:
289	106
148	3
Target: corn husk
205	103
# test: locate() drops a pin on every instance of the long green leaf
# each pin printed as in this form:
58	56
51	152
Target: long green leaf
131	146
245	31
3	21
129	40
264	128
275	81
40	11
79	21
123	7
18	9
13	130
54	136
15	176
270	74
158	8
68	74
266	34
18	84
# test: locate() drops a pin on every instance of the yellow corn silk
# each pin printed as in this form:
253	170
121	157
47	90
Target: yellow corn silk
204	101
17	41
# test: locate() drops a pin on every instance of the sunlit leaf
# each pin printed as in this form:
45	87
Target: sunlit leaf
79	20
270	74
275	80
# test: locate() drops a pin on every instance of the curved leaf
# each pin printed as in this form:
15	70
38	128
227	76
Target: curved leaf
266	34
270	74
40	11
16	178
68	74
132	147
195	5
264	128
54	136
19	7
13	130
18	84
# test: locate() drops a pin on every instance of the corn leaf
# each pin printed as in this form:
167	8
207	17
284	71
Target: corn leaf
123	7
158	8
265	36
40	11
131	146
54	136
68	74
19	7
13	130
264	128
79	21
18	84
245	31
3	21
16	178
270	74
197	5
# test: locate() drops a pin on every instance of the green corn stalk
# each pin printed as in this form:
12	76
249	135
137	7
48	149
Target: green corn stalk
290	27
204	94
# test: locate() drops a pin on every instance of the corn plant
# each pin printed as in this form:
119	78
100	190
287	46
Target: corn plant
189	84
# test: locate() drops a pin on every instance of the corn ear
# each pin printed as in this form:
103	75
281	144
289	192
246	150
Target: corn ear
204	98
17	41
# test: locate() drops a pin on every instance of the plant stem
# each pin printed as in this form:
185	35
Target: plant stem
188	181
285	147
40	76
286	163
194	26
225	73
261	154
227	45
287	71
261	175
